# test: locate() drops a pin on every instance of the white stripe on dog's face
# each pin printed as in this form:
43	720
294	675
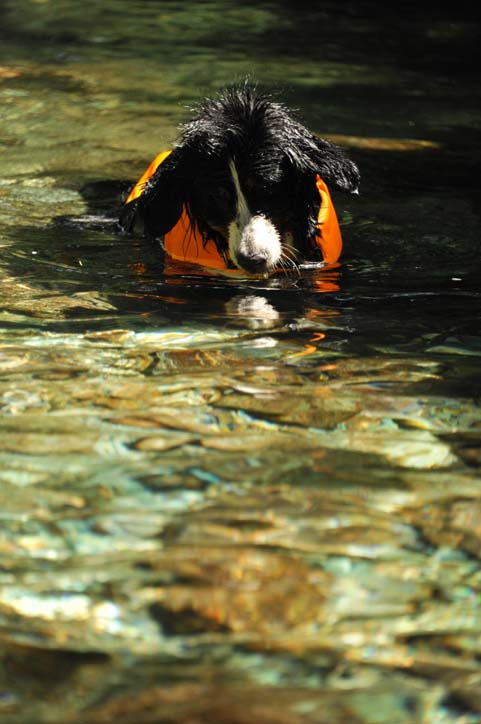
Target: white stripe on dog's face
243	213
254	242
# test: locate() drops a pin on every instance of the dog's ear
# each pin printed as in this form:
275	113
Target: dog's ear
333	166
310	154
159	206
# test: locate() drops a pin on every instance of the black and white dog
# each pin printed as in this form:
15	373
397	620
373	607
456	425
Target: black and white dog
244	170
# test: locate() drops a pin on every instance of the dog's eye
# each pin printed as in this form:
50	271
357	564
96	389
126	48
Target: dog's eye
220	195
218	198
215	204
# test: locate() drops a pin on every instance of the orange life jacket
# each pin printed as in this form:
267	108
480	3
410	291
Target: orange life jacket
185	243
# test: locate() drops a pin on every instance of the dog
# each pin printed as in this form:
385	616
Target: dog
248	182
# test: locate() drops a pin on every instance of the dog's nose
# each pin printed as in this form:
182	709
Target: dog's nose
252	263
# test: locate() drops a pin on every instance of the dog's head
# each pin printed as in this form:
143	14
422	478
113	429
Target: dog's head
244	169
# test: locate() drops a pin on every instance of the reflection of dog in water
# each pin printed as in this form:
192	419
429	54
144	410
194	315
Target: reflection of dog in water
252	311
245	187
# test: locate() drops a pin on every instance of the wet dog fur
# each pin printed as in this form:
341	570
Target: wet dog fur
244	168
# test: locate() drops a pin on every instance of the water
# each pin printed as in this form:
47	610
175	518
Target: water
230	500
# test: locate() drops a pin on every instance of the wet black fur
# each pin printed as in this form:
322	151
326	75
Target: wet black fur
277	160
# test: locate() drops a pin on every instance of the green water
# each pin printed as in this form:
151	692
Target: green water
239	501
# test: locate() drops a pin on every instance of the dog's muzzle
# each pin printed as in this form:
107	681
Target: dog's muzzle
256	248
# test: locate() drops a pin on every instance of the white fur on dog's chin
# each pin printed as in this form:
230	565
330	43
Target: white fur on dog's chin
259	236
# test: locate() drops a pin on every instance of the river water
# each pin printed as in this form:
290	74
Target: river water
227	500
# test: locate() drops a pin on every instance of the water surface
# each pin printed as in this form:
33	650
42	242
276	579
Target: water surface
229	500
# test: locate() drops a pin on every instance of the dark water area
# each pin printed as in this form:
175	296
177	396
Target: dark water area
224	499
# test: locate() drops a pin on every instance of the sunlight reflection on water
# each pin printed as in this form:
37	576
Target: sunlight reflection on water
229	499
